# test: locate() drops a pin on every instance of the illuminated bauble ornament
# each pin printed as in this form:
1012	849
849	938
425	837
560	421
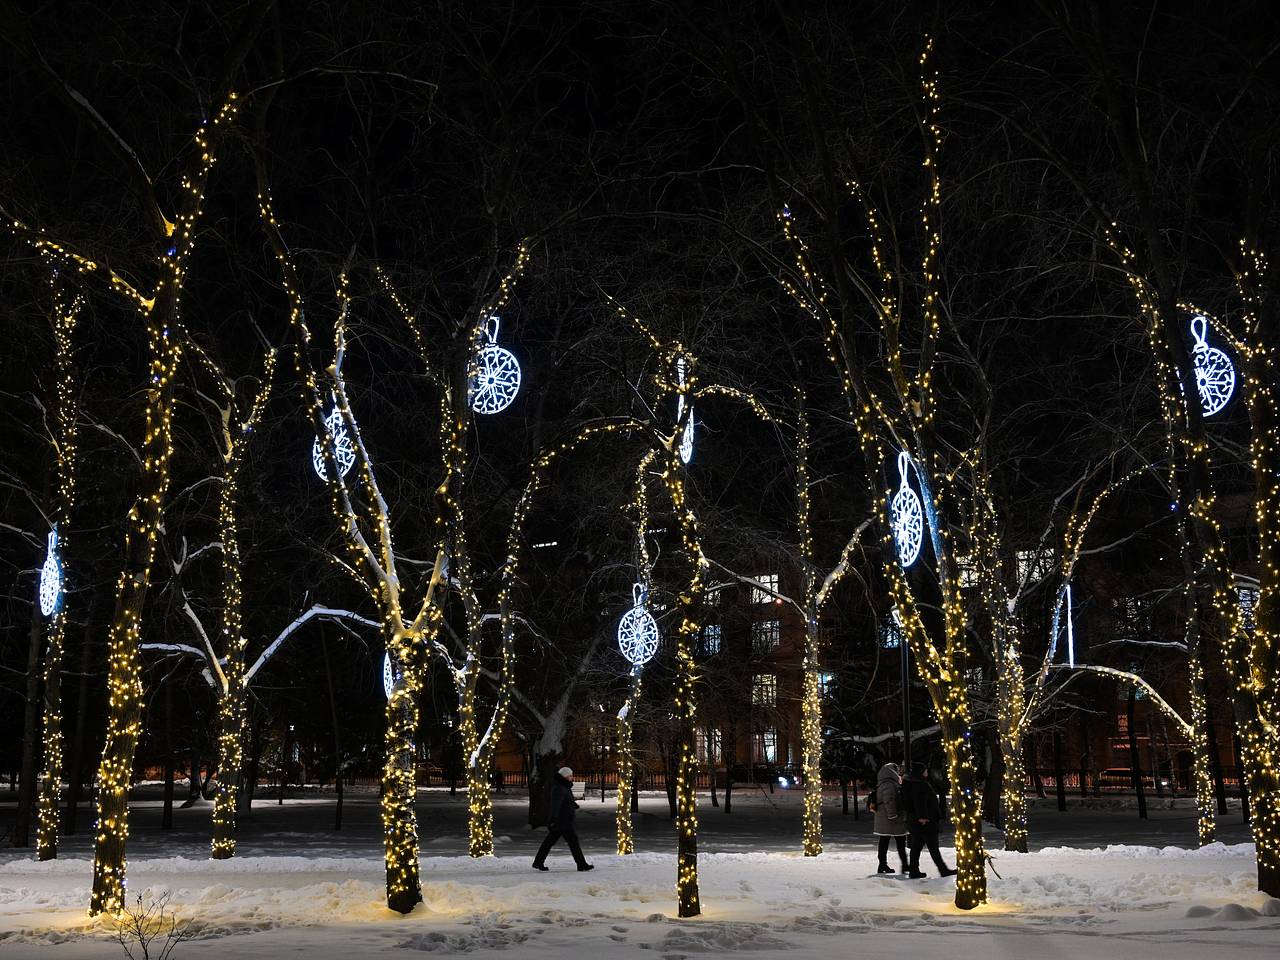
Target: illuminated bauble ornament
637	631
905	517
391	674
1215	373
50	591
686	438
343	449
495	375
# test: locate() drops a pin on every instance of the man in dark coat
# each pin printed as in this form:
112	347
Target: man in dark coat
561	823
923	809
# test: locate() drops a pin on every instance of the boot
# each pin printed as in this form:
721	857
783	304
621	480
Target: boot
884	868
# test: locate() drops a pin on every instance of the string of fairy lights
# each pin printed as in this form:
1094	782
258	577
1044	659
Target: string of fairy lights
942	670
64	315
231	702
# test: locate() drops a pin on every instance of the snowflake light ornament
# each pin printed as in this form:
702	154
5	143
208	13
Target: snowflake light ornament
906	518
686	438
495	374
391	674
344	450
1215	373
50	591
637	630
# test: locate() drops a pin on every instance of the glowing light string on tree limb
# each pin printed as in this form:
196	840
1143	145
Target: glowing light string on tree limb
495	374
50	591
906	516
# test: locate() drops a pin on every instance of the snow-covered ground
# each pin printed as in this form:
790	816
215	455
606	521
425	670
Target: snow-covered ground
323	900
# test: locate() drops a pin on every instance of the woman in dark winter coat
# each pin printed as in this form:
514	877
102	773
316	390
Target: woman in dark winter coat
924	811
890	820
561	823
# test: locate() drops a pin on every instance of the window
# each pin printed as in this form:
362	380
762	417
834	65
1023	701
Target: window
709	745
890	631
973	676
764	746
711	639
765	635
769	580
764	690
968	570
826	681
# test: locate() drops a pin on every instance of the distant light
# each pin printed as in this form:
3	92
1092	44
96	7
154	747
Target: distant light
782	781
549	543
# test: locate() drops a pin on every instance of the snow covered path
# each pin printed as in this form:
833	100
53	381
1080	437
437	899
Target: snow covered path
1132	902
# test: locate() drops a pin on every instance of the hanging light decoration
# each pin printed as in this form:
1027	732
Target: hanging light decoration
906	518
391	674
637	630
1215	373
50	592
495	376
343	449
686	438
1071	634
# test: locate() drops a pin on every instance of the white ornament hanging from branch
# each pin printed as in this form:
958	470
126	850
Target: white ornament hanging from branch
637	630
686	438
495	374
50	591
906	518
391	673
344	450
1214	371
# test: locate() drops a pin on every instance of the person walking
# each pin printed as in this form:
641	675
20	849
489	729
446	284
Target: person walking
890	819
923	811
561	823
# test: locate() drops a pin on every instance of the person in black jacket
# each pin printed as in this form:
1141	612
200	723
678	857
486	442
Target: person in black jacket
923	809
561	823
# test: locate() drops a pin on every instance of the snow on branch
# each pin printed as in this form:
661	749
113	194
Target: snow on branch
328	613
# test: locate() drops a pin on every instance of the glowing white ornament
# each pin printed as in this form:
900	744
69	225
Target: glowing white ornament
637	631
495	375
50	592
686	438
391	674
906	518
1071	634
344	450
1215	373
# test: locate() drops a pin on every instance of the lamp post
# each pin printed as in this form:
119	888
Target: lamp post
905	652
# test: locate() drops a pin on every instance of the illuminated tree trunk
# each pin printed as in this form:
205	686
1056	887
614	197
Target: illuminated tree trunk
124	661
811	744
1201	765
162	313
1013	794
66	409
399	791
626	768
966	803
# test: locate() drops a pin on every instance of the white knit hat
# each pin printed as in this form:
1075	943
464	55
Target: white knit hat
566	773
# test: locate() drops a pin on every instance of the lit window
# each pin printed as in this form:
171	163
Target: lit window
974	677
765	635
764	690
711	639
968	570
765	746
709	745
766	580
825	682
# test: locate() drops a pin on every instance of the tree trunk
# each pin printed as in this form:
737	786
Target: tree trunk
337	730
1013	795
811	741
966	804
30	738
51	778
166	816
1086	751
1135	764
1058	772
255	759
844	798
399	793
626	771
1244	781
76	770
